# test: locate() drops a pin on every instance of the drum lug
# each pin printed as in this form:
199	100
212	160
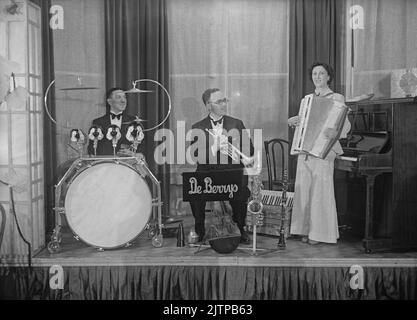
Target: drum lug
77	238
155	202
60	210
100	249
128	245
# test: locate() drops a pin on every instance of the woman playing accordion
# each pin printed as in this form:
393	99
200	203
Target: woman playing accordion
314	214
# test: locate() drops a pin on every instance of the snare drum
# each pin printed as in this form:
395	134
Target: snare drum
108	204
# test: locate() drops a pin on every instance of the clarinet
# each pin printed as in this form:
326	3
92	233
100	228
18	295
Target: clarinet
282	241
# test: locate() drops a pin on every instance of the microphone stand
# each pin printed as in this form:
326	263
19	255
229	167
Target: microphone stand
95	143
114	144
113	134
94	136
135	143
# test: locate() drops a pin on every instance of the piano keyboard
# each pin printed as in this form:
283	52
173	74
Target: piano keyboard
273	198
353	159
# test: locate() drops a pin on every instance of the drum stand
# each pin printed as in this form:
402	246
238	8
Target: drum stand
155	227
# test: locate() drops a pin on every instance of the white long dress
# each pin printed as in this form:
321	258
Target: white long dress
314	212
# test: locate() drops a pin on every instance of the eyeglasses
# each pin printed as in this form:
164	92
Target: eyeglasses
220	101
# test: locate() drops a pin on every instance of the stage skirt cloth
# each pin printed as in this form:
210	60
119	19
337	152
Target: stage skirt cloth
207	282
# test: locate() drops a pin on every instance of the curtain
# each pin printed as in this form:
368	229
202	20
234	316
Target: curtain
316	34
238	46
49	129
137	48
384	46
80	65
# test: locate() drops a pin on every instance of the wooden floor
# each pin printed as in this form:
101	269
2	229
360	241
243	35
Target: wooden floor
348	251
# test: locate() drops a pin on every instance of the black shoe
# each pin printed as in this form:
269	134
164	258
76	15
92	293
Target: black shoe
244	238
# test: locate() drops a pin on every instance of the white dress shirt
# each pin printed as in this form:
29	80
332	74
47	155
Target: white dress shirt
217	130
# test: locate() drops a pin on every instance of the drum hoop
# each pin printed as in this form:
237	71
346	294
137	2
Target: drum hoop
104	247
87	167
97	162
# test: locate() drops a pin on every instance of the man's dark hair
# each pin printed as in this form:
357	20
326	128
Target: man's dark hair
110	91
207	94
328	68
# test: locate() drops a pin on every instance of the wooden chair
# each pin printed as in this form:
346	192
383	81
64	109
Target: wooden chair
276	150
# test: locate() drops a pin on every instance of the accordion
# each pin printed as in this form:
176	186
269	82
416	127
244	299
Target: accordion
316	115
274	213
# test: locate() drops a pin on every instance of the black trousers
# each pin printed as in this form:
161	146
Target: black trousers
239	209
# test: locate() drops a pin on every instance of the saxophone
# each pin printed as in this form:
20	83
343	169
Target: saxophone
255	206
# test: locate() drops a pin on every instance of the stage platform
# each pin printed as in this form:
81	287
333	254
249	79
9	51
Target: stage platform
300	271
345	253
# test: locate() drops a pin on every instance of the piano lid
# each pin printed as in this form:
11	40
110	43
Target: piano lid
366	142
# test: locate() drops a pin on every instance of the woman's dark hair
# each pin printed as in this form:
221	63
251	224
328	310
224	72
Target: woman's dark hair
328	68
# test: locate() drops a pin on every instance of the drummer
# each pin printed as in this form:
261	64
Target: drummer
116	115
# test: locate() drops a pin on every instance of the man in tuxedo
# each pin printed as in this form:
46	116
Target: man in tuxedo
218	121
116	101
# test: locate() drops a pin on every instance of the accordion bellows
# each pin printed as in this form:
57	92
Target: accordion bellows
316	115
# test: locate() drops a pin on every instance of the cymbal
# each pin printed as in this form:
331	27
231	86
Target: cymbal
78	88
136	119
136	90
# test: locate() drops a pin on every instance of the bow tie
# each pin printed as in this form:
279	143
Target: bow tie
118	116
220	121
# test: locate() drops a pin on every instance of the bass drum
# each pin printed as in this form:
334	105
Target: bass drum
108	204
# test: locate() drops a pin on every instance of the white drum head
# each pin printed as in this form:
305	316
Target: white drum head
108	205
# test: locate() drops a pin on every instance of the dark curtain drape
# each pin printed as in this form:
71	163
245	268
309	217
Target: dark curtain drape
178	282
137	48
49	129
316	34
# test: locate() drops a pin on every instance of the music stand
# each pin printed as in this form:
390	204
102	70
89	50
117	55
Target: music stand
219	178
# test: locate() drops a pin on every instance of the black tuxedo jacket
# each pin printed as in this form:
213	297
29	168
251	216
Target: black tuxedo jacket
104	146
228	124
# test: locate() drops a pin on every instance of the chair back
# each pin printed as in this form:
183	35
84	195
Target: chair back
276	151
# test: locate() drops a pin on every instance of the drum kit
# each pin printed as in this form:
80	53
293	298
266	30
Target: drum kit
107	201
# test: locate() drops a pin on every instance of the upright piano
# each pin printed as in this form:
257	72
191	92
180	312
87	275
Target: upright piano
380	152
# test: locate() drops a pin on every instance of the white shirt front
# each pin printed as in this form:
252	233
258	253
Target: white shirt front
217	130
